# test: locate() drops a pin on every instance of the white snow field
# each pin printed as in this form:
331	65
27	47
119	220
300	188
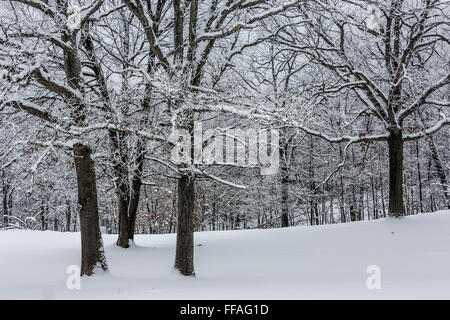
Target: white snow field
327	262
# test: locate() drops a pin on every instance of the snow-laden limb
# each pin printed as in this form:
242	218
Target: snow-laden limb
248	24
420	101
9	163
429	131
73	130
45	8
39	34
104	14
260	113
137	8
200	172
40	159
52	144
28	107
197	171
89	10
164	163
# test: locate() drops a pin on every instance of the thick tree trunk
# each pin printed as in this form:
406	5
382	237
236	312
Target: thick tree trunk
128	205
121	175
92	251
123	203
184	258
136	185
118	146
395	142
134	202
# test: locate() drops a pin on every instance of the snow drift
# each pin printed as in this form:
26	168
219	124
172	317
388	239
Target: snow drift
328	262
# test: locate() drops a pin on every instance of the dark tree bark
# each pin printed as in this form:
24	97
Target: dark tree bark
314	217
117	139
383	205
332	221
68	216
439	170
75	221
395	142
136	185
43	213
284	188
127	196
5	200
352	212
184	257
353	208
419	177
374	200
92	252
123	203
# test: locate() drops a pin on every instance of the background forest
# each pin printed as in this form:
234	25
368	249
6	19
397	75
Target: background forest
358	91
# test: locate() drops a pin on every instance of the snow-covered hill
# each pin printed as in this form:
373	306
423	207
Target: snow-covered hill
413	254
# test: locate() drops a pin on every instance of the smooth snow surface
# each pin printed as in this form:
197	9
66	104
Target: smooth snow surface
328	262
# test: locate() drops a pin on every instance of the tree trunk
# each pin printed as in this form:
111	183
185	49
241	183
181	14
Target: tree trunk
332	221
284	199
5	200
122	240
92	251
395	142
68	216
184	258
439	170
383	205
341	191
134	203
284	179
374	200
118	145
43	216
121	174
419	177
136	185
75	221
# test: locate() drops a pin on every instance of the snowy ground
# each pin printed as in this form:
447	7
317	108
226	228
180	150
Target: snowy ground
295	263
